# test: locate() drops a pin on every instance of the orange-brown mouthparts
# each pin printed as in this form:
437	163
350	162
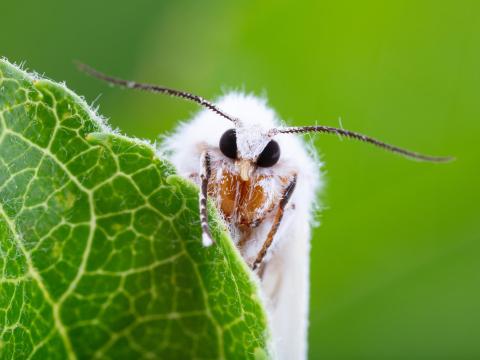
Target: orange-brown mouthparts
245	168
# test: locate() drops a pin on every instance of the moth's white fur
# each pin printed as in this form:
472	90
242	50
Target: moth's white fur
285	283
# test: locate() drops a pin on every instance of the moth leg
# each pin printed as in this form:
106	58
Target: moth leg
205	173
276	222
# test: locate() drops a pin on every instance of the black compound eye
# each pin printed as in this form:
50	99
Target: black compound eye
270	155
228	144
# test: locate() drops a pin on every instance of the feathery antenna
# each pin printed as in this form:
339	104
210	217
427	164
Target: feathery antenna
153	88
360	137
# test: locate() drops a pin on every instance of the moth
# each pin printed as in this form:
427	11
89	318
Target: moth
264	182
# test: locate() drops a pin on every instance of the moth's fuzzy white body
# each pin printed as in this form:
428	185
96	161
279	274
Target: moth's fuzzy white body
285	280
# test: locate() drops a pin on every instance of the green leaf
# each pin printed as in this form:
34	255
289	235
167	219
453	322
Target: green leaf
100	250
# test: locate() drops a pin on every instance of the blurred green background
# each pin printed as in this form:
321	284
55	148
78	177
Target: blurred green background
396	261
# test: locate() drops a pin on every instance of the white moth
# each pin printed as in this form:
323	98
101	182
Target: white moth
264	181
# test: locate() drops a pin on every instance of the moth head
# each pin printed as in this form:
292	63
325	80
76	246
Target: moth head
250	148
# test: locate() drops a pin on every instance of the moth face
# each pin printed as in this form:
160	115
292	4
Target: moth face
249	150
